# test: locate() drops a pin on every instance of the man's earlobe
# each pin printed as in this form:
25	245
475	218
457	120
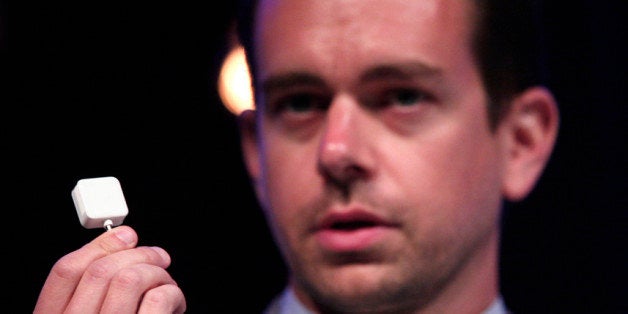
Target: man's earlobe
530	130
248	141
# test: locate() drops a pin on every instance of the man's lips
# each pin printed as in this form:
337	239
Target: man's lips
351	231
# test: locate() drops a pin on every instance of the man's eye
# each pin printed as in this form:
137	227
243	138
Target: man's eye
405	97
300	103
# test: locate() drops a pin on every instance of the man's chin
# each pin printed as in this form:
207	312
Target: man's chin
353	284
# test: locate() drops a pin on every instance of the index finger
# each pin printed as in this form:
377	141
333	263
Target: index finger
68	270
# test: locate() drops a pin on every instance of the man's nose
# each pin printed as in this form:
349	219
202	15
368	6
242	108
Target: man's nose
345	144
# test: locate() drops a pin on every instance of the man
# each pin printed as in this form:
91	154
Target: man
386	137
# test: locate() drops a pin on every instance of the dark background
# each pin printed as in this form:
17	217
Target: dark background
128	90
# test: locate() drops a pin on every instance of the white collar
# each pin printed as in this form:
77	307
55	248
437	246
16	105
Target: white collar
288	303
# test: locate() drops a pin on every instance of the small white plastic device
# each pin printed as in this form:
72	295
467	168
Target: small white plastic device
99	202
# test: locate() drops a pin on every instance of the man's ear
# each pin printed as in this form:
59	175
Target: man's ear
529	131
248	141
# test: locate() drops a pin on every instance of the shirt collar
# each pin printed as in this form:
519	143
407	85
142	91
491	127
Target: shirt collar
288	303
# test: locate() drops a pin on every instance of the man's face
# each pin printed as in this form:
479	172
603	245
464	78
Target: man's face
377	169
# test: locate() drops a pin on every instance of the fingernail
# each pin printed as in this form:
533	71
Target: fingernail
124	234
161	252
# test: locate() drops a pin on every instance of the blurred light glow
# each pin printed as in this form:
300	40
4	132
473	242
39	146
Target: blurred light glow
234	82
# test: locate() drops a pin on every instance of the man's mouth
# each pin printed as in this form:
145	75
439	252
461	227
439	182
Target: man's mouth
351	225
351	231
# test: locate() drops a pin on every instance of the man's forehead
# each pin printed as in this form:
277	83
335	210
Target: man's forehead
315	38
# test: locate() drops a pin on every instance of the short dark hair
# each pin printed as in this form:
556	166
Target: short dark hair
507	45
509	49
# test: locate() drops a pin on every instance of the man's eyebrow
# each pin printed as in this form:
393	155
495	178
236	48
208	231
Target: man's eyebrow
291	79
407	70
400	71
